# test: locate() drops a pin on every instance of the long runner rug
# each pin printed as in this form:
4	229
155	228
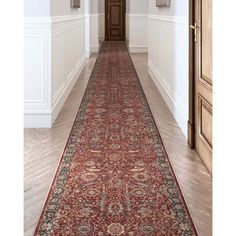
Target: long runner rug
114	177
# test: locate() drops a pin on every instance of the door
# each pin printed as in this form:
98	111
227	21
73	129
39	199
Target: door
115	19
202	84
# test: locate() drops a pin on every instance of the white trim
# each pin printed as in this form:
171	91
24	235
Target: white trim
176	26
62	24
170	19
101	39
137	49
94	49
88	54
66	18
145	16
37	120
168	98
94	14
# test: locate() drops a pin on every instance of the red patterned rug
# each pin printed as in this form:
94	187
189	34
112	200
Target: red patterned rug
114	177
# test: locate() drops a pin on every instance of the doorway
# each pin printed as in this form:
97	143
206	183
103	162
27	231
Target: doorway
115	11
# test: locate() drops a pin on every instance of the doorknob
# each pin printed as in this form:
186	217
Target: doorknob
194	27
108	16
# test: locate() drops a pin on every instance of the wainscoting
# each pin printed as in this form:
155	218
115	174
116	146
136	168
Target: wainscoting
136	32
54	55
37	71
68	55
168	63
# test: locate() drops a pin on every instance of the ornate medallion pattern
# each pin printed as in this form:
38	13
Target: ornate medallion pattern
115	177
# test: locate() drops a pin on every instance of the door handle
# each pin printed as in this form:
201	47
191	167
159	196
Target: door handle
108	16
194	27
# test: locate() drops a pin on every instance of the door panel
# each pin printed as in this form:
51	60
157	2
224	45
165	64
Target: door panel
205	118
207	41
115	19
203	80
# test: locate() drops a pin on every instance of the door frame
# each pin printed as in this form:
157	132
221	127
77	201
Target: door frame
106	20
191	119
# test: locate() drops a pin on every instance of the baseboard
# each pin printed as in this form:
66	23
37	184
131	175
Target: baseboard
88	54
94	49
191	134
35	120
169	100
60	100
101	39
138	49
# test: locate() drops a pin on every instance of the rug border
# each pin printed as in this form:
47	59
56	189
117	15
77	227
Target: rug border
64	149
175	176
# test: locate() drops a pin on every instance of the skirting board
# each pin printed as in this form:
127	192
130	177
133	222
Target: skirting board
101	39
94	49
174	108
88	54
138	49
38	120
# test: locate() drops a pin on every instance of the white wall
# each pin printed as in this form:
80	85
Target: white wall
54	58
87	12
101	11
137	6
37	7
62	7
137	25
94	6
101	6
94	26
177	8
168	56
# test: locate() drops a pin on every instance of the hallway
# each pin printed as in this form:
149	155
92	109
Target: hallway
44	147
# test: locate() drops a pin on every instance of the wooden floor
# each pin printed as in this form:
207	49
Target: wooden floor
44	147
